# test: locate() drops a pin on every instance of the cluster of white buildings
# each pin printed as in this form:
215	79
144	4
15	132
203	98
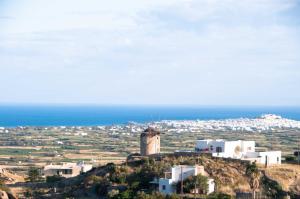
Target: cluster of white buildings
244	150
239	149
267	122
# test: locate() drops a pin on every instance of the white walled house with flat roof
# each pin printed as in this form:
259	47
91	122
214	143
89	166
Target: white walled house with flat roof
244	150
267	158
167	185
227	149
66	170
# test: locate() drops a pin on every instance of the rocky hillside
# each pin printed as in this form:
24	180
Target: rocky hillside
7	177
287	176
229	174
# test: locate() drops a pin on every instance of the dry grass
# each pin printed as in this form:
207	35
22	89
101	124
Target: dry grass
287	175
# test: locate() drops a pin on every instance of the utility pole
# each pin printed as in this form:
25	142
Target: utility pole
271	141
195	189
298	152
181	187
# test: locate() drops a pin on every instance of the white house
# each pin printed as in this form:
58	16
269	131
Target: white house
267	158
227	149
167	185
244	150
66	170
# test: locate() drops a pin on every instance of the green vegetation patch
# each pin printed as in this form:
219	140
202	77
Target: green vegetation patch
9	151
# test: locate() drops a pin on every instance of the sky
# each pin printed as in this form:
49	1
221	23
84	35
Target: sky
150	52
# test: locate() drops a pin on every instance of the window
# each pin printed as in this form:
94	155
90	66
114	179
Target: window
164	187
67	171
219	149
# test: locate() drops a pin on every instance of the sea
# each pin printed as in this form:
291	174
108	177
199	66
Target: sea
79	115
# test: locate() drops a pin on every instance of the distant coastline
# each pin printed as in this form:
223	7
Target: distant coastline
59	115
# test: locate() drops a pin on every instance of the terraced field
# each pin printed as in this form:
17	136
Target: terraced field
22	148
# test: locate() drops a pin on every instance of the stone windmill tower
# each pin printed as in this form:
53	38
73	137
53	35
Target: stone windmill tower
150	142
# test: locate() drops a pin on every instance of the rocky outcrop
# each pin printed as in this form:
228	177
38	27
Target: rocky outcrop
10	178
3	195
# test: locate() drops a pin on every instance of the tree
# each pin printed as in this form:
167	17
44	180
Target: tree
102	185
253	173
34	175
111	167
201	183
155	195
128	194
198	182
272	188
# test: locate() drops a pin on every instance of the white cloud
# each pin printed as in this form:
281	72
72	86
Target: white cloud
186	51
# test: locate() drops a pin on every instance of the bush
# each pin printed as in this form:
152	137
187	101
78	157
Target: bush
272	188
52	179
28	193
200	181
251	168
128	194
3	187
102	187
140	179
113	193
34	175
92	180
290	158
111	167
219	196
155	195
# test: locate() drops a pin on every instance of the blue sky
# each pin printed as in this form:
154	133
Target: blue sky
189	52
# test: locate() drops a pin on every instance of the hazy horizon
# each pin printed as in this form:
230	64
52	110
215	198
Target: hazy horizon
145	105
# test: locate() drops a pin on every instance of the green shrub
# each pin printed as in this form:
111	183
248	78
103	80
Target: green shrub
272	188
128	194
52	179
34	175
290	158
219	196
102	188
200	181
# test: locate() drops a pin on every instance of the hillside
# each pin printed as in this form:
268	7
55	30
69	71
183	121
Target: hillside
287	176
6	178
115	181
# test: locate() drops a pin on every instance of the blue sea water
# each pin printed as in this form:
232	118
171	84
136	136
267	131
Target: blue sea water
17	115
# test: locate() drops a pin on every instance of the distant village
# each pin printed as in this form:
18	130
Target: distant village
268	122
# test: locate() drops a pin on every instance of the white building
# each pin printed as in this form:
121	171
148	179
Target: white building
66	170
227	149
239	149
267	158
167	185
